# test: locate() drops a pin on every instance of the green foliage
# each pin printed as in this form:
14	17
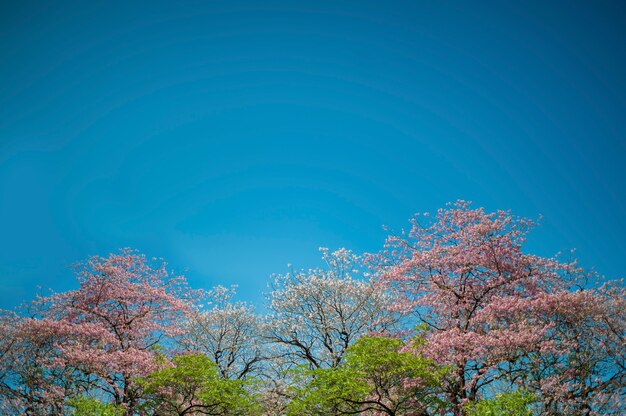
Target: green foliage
376	375
515	403
192	385
88	406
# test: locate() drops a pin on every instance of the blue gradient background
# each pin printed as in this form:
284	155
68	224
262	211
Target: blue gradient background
232	138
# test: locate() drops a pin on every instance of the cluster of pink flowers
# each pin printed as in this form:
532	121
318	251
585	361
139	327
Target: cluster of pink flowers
487	306
106	332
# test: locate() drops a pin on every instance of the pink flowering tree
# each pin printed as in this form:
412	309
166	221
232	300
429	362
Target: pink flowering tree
584	373
31	380
124	311
483	300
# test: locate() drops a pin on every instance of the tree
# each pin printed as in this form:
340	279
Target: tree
584	373
230	333
191	385
377	377
504	404
124	308
316	315
483	300
89	406
31	381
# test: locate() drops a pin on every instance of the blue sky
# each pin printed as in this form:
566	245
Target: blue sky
232	138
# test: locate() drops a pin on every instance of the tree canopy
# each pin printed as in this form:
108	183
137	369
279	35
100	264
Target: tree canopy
453	317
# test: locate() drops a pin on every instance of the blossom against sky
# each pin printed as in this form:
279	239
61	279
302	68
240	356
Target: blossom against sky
234	137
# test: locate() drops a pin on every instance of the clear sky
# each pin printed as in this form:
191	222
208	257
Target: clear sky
232	138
